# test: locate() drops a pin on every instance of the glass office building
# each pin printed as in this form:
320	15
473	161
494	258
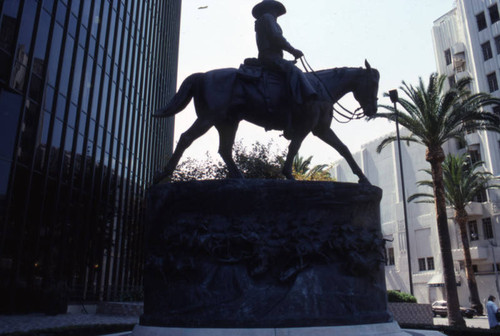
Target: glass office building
79	80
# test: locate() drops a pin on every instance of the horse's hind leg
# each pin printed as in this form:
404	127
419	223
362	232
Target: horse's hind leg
196	130
227	133
293	149
328	136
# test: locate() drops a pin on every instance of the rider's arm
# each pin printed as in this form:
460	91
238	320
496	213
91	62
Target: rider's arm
276	35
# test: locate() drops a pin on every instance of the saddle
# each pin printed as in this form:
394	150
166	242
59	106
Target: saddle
270	85
250	70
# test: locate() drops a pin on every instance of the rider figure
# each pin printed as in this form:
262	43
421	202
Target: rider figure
271	43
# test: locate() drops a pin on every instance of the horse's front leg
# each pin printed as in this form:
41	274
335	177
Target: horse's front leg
293	149
227	133
196	130
328	136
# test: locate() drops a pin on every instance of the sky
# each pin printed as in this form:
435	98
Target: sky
393	35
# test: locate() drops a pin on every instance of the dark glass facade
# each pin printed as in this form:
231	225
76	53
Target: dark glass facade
79	80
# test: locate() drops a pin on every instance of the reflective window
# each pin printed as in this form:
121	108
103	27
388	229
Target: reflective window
82	122
79	144
68	142
26	28
8	37
82	40
19	72
104	18
61	13
61	107
66	67
10	8
91	129
29	132
111	107
4	177
9	118
92	46
75	6
54	54
48	98
111	32
96	19
72	25
5	67
100	135
95	98
104	99
77	75
45	127
56	133
36	84
48	5
86	13
72	115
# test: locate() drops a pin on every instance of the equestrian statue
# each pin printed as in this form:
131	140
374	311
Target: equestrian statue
271	92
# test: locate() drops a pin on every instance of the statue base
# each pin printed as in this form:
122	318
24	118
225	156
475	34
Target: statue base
263	255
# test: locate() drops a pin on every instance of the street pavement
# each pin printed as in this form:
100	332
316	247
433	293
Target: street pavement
475	322
13	323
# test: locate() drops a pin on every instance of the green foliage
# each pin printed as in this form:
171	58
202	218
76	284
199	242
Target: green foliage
260	161
434	116
396	296
462	179
302	172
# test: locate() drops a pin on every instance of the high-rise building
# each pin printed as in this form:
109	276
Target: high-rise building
466	43
78	83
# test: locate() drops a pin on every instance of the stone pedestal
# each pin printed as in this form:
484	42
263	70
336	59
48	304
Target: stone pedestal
263	254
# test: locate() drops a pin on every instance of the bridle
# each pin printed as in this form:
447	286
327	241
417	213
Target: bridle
348	115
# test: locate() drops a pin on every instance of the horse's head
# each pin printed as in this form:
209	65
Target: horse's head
367	89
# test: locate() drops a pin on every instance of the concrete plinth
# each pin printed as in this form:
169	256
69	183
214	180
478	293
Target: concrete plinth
379	329
263	254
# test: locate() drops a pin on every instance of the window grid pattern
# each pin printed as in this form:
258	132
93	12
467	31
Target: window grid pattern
487	228
81	80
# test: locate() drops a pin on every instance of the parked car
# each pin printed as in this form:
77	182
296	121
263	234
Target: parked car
441	308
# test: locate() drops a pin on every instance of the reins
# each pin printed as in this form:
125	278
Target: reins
352	115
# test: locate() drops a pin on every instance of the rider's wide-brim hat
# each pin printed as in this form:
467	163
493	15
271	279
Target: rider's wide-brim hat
267	6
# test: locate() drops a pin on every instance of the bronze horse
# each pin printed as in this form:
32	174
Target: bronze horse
222	99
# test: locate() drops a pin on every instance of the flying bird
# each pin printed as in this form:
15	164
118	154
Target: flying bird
202	7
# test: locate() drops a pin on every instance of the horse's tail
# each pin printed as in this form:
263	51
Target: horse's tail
181	99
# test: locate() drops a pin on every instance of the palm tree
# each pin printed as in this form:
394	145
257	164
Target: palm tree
301	170
433	117
301	165
462	183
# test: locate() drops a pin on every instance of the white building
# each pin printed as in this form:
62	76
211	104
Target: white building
466	43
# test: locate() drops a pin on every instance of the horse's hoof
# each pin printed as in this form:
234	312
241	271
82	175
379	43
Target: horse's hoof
161	177
237	176
364	181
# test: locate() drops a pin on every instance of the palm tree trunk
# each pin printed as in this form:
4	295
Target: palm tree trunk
435	156
461	218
